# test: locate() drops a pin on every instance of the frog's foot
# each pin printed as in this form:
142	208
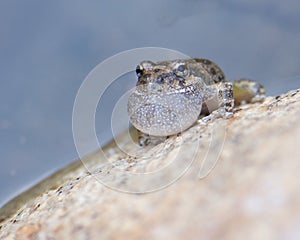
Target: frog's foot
146	139
219	113
247	91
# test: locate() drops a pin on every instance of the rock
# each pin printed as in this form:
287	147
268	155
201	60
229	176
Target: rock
233	178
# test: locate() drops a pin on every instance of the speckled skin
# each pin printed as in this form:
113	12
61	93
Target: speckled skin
171	95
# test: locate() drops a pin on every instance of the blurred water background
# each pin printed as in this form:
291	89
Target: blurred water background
48	47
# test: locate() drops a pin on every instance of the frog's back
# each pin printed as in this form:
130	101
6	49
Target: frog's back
201	67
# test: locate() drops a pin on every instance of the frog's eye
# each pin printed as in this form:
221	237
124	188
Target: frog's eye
181	70
139	70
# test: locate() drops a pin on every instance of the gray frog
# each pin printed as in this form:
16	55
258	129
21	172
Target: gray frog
170	96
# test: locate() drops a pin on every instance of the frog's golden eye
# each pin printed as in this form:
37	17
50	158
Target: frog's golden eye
181	70
139	70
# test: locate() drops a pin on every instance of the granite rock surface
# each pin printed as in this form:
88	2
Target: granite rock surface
235	178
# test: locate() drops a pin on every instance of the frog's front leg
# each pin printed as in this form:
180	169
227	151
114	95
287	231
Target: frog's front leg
225	96
218	103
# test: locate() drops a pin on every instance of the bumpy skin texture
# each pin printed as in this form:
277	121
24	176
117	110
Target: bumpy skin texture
171	95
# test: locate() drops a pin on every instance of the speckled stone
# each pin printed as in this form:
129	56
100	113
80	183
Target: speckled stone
235	178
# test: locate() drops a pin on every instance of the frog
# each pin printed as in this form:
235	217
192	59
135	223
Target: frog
171	96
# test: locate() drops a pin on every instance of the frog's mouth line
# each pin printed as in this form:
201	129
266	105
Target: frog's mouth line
154	89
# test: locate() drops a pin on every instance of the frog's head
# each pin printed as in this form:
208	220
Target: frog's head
162	76
165	100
